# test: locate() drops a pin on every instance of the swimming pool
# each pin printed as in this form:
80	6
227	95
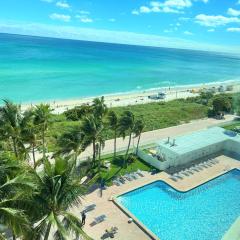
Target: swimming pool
205	212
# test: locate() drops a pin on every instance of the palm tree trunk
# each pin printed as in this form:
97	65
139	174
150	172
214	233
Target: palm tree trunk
15	147
138	143
99	168
99	158
47	231
94	152
75	158
33	155
43	143
115	143
129	142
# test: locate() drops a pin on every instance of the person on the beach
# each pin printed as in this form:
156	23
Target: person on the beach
83	218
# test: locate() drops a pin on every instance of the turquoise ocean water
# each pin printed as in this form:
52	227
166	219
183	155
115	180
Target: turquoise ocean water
37	69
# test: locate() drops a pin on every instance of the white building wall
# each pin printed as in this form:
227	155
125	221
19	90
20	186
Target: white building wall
172	159
161	165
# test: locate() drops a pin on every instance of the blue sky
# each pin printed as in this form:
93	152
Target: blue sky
201	24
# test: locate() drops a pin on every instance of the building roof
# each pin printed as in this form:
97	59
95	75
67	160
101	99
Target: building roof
197	140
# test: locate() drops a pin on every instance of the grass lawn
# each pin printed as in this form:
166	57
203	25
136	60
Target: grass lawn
116	168
156	116
232	126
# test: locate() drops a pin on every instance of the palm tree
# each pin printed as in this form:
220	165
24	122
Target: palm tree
59	190
42	116
99	108
30	134
126	125
10	115
100	146
16	188
113	124
12	123
138	129
92	129
31	137
72	141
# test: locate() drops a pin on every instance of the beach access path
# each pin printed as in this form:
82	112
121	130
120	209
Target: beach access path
153	136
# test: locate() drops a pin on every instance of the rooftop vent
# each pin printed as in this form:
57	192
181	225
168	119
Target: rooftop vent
168	140
173	143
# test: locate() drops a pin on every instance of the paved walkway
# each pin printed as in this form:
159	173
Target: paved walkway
153	136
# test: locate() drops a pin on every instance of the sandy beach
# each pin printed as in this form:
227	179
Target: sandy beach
141	97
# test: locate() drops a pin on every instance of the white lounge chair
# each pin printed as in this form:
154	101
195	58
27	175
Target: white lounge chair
128	177
89	208
98	220
134	175
116	182
140	173
177	175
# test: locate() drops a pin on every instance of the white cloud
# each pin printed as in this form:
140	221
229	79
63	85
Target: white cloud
188	33
169	10
135	12
61	17
84	12
112	20
233	12
84	19
144	9
179	4
233	29
62	4
168	6
91	34
214	21
173	27
238	2
211	30
185	19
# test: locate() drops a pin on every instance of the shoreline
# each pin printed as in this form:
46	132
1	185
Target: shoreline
136	97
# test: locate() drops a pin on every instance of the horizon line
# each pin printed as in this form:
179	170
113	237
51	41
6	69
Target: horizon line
112	37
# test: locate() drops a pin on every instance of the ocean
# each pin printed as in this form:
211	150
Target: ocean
34	69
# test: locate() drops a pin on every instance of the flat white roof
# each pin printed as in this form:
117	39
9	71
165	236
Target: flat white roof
197	140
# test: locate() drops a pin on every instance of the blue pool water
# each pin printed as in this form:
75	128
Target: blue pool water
205	212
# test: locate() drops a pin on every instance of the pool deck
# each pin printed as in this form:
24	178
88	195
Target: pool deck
117	217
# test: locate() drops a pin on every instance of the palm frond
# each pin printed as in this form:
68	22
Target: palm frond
15	219
75	225
2	237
